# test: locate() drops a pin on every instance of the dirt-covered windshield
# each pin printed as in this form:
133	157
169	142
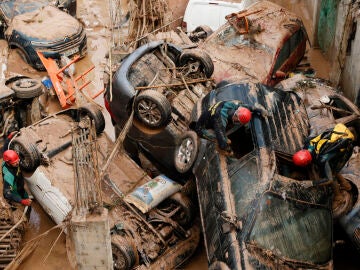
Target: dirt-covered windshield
14	8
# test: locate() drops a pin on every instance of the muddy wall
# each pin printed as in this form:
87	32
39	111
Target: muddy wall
343	50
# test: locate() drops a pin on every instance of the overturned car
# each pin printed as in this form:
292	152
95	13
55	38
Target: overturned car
257	209
160	83
152	221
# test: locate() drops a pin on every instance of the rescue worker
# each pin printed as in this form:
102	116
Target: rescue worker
13	179
330	151
214	122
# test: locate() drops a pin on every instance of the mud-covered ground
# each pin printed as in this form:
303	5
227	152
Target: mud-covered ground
95	15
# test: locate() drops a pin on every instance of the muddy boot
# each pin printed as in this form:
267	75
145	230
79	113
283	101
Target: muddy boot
344	184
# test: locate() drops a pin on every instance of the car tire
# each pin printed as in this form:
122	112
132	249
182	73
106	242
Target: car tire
186	152
29	155
35	111
125	255
92	111
152	109
27	88
189	56
186	215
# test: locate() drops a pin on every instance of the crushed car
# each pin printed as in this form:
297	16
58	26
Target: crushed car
257	209
262	42
327	107
152	220
31	26
19	103
160	83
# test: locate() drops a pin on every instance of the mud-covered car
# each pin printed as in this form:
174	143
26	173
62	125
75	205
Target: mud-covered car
31	26
152	221
160	83
257	209
263	43
327	107
19	103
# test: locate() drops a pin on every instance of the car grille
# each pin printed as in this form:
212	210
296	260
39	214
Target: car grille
63	45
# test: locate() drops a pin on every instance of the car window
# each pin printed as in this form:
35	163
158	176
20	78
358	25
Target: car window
289	46
280	224
244	177
344	111
14	8
229	36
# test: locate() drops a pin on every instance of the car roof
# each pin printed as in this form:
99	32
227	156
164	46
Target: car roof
276	21
253	53
287	127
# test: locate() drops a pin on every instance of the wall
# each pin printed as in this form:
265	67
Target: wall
344	52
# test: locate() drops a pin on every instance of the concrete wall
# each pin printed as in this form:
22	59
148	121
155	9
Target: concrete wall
350	79
345	70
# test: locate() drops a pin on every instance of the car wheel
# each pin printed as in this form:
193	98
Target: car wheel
186	213
186	152
125	255
27	88
190	58
92	111
28	153
35	111
152	109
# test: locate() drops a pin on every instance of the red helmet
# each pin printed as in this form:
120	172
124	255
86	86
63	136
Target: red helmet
302	158
10	156
243	115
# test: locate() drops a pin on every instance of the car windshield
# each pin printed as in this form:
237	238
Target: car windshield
282	224
14	8
243	52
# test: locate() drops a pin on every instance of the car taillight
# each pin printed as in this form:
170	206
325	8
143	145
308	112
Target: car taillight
107	106
184	26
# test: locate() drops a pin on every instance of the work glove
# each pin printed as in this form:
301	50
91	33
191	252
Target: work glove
260	110
25	202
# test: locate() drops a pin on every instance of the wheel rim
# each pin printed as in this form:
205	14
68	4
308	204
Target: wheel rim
25	160
119	259
149	112
186	151
25	84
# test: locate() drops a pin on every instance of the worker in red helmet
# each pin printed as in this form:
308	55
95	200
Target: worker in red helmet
13	179
329	151
214	122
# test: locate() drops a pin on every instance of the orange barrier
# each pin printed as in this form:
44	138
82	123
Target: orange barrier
65	86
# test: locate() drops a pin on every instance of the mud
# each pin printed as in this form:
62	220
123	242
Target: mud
94	14
40	23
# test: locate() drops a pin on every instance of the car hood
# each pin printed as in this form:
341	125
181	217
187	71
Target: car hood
43	24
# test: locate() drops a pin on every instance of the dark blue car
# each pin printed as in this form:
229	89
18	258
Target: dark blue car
37	26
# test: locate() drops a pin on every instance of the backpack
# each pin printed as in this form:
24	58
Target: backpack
339	139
